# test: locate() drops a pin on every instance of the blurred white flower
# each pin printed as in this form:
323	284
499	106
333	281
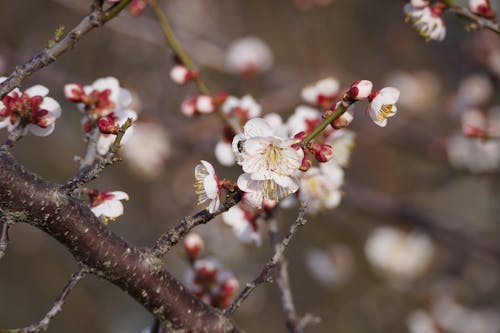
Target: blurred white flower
303	119
147	149
249	55
473	154
474	91
244	223
320	187
342	142
333	266
206	186
419	321
401	256
482	8
419	90
245	108
321	93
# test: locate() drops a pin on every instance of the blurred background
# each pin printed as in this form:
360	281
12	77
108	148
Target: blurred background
414	244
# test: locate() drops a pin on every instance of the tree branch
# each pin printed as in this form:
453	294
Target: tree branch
56	308
48	55
89	173
4	236
25	197
174	235
477	22
265	274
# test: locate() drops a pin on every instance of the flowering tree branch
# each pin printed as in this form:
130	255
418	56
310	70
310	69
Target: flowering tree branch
56	308
265	274
89	173
477	22
186	60
105	254
173	236
96	18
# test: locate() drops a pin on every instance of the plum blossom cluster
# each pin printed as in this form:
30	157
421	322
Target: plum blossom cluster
205	278
30	110
106	204
427	16
279	159
105	106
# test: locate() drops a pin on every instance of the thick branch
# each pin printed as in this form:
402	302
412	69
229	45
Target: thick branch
24	197
56	308
45	57
4	236
265	274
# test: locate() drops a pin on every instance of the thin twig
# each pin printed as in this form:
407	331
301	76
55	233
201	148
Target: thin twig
56	308
283	281
48	55
477	22
184	57
13	137
89	173
4	236
265	274
174	235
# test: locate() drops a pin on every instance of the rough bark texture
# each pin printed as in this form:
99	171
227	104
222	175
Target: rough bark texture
24	197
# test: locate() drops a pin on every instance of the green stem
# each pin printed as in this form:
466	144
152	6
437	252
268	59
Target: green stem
341	108
175	45
115	10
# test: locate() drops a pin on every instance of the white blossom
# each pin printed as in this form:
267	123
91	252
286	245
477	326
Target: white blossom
269	162
383	105
244	224
427	21
207	186
108	204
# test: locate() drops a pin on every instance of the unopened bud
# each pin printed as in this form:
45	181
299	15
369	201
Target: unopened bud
204	104
324	153
188	107
360	89
482	8
306	164
107	125
300	136
193	245
179	74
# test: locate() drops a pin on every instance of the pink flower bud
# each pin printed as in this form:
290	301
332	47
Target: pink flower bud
107	125
74	92
300	136
324	153
360	89
188	107
193	245
137	7
228	287
179	74
205	104
306	164
482	8
268	204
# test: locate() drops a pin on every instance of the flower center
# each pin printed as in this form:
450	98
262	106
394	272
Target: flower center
273	157
385	111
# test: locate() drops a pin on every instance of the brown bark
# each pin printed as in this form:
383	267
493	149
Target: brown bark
25	197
